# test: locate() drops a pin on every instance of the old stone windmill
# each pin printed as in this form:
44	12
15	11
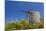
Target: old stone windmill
33	16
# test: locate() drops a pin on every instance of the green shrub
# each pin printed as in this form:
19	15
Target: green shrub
20	25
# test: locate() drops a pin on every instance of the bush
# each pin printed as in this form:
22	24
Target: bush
23	25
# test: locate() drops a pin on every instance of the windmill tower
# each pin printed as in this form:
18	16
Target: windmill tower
33	16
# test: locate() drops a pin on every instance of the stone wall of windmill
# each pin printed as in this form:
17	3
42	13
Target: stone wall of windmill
34	16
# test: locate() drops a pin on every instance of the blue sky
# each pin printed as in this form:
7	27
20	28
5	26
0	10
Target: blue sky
13	9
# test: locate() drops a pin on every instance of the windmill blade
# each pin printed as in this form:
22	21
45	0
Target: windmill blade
28	12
